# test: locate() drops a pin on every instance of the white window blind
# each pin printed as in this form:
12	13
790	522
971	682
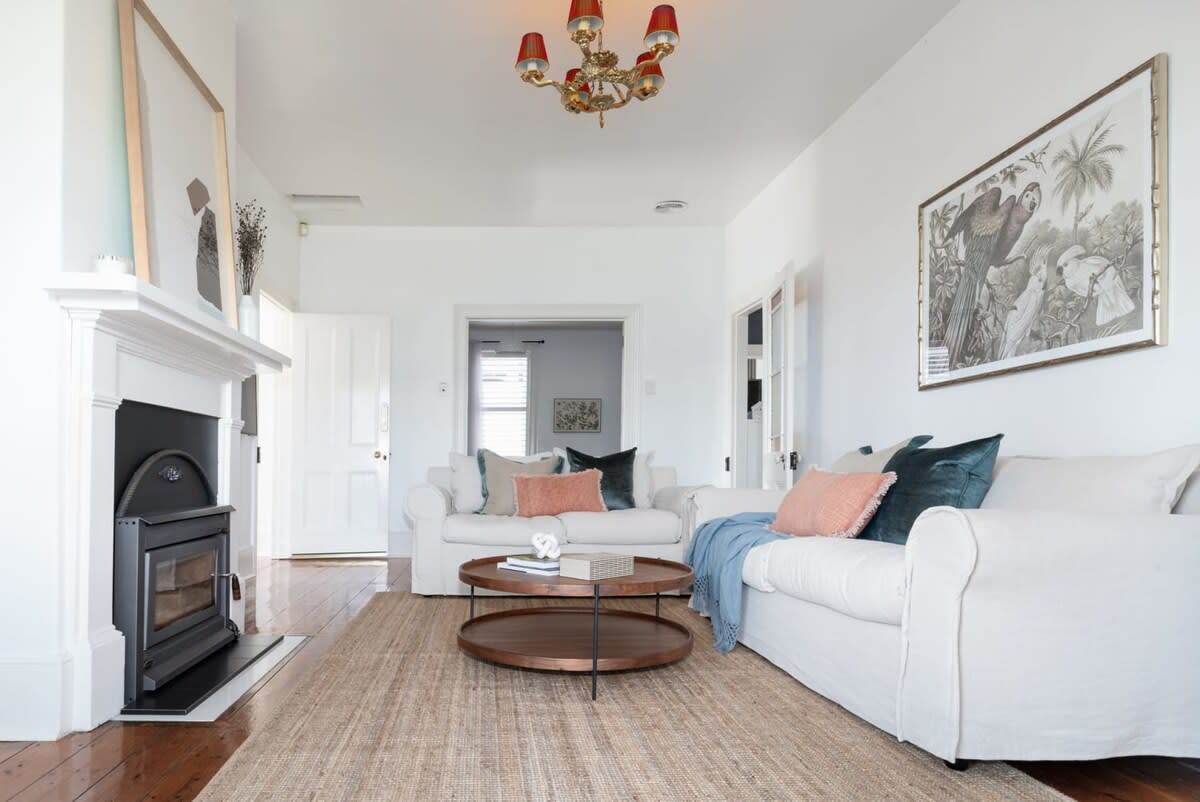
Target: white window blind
504	403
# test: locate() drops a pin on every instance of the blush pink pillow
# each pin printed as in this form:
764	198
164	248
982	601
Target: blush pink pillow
550	495
831	504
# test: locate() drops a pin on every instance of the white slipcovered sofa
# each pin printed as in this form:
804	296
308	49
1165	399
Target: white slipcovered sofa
1002	633
443	539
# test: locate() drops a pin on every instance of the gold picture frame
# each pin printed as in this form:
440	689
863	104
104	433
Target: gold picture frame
146	262
984	329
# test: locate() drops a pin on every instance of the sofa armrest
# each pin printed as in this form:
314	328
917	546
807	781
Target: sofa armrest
1029	634
427	502
707	503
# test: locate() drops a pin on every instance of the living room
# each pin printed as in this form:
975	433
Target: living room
857	485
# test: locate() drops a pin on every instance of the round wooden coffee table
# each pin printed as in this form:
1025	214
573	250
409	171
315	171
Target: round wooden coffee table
584	639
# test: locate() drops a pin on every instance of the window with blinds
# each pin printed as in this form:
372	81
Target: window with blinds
504	403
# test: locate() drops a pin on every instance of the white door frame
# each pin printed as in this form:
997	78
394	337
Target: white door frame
278	541
629	316
782	279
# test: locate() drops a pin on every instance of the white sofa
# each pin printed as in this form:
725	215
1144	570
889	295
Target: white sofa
994	634
444	539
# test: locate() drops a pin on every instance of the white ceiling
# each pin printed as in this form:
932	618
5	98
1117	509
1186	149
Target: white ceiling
415	105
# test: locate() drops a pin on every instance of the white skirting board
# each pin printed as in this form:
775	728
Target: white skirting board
212	707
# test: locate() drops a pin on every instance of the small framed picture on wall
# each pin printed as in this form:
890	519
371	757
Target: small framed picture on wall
576	415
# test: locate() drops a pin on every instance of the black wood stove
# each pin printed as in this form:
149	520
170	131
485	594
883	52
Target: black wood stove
171	582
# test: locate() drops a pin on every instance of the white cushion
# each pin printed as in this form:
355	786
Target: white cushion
1189	500
622	527
1146	484
498	530
858	462
863	579
466	482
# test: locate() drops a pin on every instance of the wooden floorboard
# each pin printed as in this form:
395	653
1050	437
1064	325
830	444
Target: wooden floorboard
319	598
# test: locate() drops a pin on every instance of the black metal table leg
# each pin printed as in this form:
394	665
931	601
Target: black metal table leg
472	603
657	605
595	638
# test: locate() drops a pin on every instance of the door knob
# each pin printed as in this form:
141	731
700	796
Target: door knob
378	455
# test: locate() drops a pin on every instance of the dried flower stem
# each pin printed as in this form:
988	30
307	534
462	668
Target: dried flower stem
251	234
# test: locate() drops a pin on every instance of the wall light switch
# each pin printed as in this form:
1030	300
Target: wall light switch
651	387
443	389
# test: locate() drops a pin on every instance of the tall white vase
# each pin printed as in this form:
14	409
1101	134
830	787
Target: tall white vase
248	316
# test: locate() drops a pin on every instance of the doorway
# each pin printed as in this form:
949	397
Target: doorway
534	386
771	384
620	417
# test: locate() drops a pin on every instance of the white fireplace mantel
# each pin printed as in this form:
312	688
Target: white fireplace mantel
140	311
129	341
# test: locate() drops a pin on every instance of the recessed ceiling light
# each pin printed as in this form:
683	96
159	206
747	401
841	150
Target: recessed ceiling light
670	206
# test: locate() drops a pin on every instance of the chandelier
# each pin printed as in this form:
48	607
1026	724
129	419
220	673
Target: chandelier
599	69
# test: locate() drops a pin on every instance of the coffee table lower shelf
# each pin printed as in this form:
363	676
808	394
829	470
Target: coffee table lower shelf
560	639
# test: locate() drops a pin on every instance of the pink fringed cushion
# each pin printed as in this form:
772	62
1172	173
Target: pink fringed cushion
551	495
831	504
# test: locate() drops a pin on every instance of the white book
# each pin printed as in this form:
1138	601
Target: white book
530	561
526	570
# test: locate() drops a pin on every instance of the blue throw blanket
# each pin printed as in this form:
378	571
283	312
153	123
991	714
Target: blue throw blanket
716	554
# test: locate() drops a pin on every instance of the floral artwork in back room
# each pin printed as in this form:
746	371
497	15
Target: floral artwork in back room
1047	253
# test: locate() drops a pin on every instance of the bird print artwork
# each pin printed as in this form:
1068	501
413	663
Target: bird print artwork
1053	250
1095	275
989	229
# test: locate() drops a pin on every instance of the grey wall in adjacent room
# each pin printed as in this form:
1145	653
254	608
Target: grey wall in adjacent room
583	362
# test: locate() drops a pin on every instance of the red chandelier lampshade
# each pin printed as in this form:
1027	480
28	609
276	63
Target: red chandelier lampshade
575	99
652	75
663	29
572	74
532	55
586	15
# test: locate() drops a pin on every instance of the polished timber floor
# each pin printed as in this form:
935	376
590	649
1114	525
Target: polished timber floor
318	598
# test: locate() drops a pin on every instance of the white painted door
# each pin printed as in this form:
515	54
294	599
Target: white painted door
340	476
780	458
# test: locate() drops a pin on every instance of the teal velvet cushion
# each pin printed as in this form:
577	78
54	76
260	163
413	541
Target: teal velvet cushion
616	480
955	476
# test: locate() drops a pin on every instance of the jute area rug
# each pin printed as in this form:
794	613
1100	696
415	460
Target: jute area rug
393	711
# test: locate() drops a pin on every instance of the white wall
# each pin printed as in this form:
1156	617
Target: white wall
844	213
417	275
570	363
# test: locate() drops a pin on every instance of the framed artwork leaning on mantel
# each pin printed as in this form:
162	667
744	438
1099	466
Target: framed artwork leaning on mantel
178	169
1056	249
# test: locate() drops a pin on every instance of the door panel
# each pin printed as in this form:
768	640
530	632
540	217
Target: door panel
341	437
778	342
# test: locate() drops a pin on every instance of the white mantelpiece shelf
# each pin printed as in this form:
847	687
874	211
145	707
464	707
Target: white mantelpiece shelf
146	313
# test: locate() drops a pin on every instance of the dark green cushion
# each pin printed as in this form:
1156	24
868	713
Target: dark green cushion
616	482
955	476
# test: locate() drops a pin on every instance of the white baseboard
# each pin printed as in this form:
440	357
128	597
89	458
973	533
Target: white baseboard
33	690
400	544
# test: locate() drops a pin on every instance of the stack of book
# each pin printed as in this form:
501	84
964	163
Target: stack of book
530	564
591	567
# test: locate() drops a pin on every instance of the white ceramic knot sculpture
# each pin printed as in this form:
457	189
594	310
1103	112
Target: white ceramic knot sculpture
546	546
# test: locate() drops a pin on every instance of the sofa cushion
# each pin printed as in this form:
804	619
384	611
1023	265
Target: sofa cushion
831	504
868	460
499	495
553	495
954	476
622	527
498	530
1146	484
466	480
616	482
863	579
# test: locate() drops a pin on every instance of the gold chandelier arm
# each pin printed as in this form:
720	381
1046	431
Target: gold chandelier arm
532	78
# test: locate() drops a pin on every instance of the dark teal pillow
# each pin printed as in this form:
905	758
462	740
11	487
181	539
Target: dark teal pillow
955	476
616	480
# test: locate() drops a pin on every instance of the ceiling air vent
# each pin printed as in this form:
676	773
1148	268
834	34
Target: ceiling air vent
670	206
325	203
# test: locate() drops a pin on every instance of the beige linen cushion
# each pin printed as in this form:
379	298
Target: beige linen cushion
498	478
858	462
1147	484
466	482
